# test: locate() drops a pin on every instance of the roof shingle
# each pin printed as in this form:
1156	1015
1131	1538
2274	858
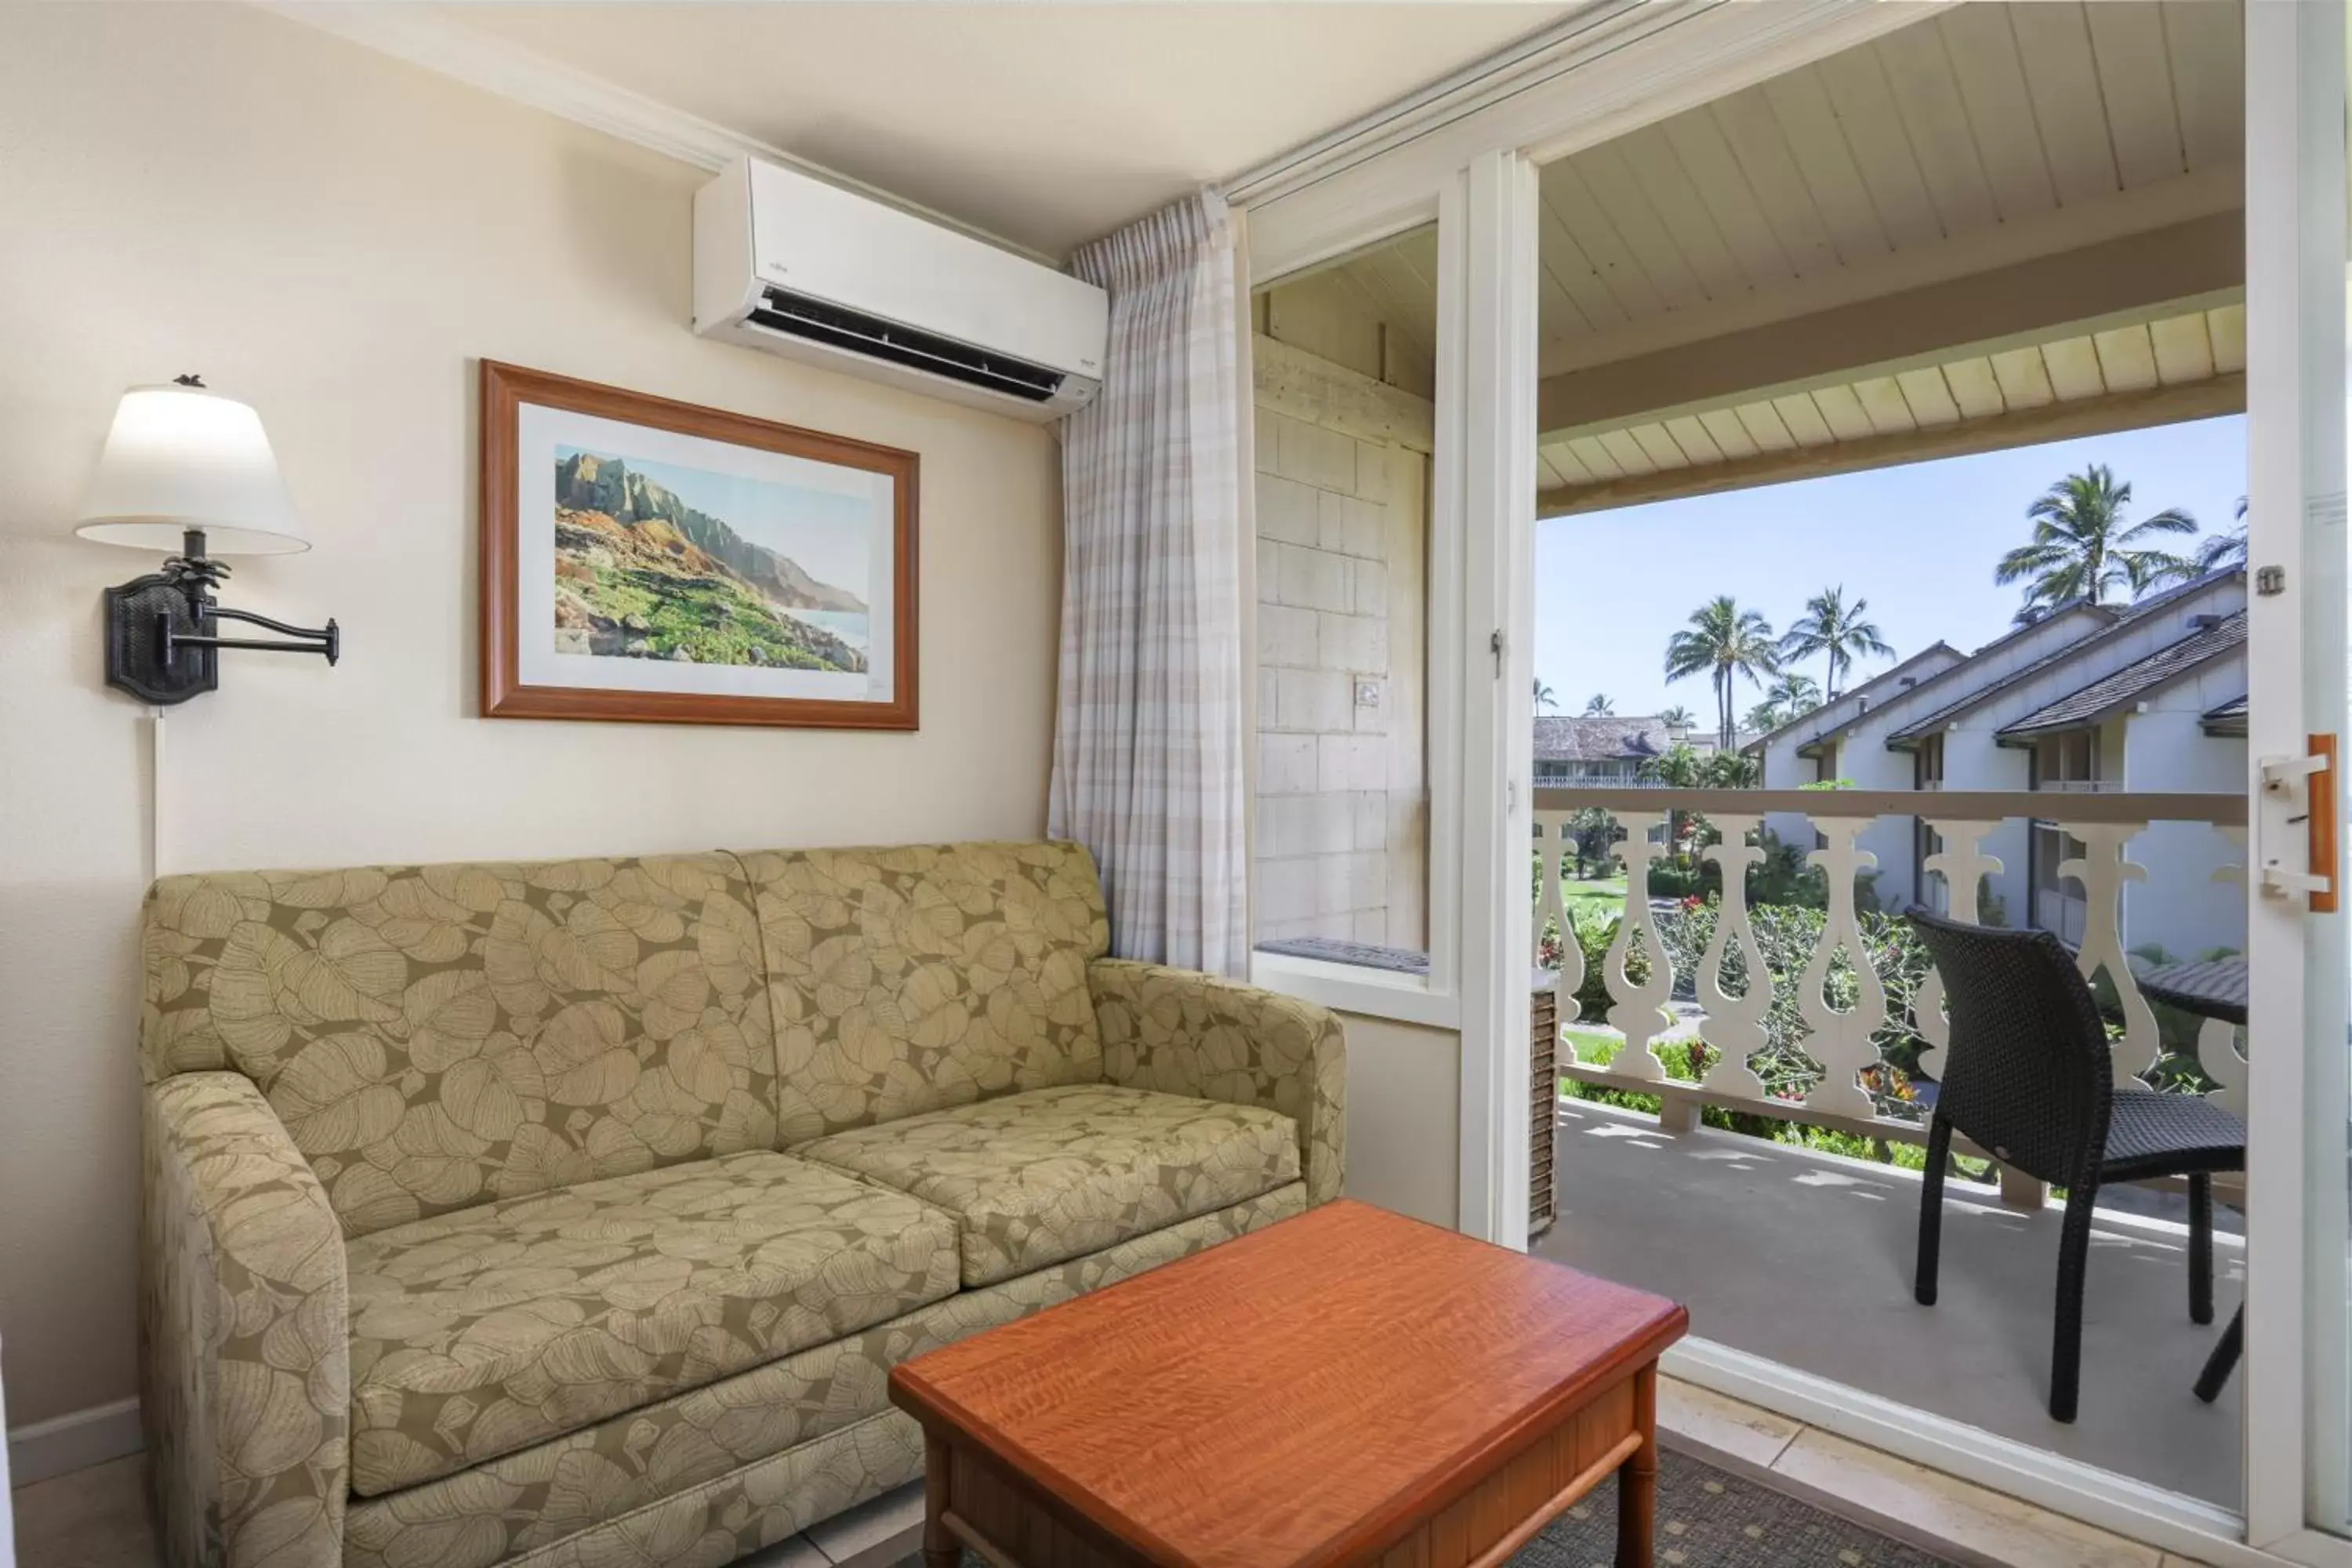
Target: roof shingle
1576	738
2125	686
2132	615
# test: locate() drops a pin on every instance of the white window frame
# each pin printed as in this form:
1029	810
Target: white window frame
2295	66
1462	153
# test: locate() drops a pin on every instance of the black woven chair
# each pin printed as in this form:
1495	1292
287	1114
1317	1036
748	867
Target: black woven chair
2027	1077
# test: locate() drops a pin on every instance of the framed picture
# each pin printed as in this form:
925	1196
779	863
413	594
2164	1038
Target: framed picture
650	560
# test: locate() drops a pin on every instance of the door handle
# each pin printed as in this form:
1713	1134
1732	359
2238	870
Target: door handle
2327	871
2300	792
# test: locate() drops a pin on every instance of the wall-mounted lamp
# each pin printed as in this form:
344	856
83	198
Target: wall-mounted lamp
187	467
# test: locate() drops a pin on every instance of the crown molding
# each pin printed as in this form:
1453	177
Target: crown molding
1594	24
1610	66
441	43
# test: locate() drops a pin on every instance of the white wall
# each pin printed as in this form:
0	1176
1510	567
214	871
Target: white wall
337	236
1404	1121
1972	762
2180	908
1784	769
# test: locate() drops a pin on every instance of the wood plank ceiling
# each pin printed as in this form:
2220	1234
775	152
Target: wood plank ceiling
2176	367
1986	136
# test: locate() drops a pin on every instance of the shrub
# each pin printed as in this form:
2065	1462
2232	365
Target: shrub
1668	881
1599	1050
1787	935
1594	933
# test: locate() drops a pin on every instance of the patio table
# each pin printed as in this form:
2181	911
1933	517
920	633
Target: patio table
2215	988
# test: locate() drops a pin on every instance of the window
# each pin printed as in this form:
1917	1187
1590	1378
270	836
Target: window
2067	762
1928	763
1933	891
1346	364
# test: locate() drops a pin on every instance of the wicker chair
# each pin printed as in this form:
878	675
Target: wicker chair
2027	1077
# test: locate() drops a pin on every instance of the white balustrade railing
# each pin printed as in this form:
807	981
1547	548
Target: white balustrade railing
1838	1043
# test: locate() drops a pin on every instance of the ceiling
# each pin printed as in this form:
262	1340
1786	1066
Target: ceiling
1986	117
2000	225
1047	125
2176	367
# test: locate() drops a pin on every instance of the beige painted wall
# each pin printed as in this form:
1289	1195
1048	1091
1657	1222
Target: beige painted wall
337	236
1404	1121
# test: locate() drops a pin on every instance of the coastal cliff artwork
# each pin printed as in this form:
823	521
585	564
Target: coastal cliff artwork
650	560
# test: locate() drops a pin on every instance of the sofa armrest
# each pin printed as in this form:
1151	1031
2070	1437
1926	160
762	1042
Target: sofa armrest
1186	1033
243	1333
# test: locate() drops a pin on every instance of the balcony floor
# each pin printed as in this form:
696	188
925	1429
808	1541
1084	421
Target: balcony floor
1806	1259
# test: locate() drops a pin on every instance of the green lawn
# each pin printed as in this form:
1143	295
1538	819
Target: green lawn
1604	895
1594	1047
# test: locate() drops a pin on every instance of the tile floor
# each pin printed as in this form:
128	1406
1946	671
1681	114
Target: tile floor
95	1518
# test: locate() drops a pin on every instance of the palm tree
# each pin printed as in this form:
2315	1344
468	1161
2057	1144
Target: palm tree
1678	768
1677	718
1599	706
1734	769
1791	697
1793	693
2083	548
1832	627
1724	642
2222	551
1545	698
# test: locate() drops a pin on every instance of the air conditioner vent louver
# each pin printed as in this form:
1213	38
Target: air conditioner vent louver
797	315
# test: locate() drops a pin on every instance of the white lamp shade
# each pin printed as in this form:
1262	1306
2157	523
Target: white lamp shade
180	458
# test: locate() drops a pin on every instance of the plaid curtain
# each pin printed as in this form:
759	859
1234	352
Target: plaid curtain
1147	736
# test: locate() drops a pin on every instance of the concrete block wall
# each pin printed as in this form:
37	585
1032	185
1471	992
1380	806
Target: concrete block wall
1342	801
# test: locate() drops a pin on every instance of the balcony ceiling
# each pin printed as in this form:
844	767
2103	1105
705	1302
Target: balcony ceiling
1999	225
1821	185
1046	124
2181	367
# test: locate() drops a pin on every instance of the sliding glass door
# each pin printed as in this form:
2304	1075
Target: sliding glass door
2298	1400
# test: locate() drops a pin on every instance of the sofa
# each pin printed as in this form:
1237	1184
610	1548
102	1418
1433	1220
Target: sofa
574	1213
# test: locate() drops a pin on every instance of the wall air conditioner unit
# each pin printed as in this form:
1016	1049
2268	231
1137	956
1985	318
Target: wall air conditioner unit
790	264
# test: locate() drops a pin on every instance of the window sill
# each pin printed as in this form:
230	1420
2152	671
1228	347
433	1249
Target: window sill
1351	988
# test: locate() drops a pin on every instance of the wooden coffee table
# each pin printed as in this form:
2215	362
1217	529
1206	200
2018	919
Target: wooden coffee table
1347	1386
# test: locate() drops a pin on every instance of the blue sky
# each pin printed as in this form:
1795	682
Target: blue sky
824	531
1918	541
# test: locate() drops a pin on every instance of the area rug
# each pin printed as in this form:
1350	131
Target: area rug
1711	1519
1707	1519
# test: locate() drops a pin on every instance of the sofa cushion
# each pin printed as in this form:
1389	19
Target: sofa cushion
1053	1173
436	1037
482	1332
695	1479
906	980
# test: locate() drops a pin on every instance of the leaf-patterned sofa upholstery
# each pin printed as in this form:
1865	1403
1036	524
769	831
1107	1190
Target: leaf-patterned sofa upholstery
574	1213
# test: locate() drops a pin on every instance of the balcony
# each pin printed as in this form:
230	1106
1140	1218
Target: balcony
1738	1040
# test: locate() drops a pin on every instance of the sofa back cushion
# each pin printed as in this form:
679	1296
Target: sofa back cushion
437	1037
903	980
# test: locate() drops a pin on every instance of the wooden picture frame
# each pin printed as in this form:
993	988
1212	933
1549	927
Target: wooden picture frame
608	593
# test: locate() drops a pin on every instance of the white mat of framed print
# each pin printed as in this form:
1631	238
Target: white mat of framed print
649	559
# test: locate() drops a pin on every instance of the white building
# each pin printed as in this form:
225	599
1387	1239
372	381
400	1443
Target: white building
2144	696
1575	750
